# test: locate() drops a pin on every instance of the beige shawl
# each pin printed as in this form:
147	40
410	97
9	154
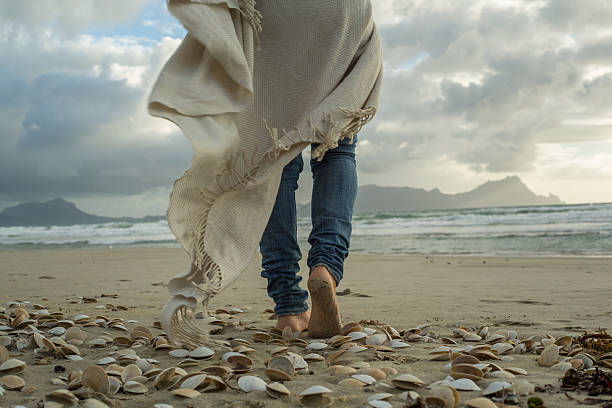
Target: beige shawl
251	86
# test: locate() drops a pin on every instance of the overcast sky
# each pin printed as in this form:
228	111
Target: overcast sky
473	91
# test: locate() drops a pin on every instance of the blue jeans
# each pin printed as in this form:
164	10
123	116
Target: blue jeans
333	197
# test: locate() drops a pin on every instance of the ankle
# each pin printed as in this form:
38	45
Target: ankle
321	272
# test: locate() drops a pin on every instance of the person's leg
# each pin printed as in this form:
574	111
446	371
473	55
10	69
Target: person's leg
281	254
333	198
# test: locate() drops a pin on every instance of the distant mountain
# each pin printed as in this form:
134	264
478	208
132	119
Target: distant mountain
507	192
57	212
510	191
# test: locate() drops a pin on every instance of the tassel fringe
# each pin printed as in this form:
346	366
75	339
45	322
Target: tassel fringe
252	16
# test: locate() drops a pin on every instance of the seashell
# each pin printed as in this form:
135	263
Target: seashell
219	371
316	345
282	363
316	395
466	371
350	328
12	366
5	341
12	382
357	335
464	384
356	349
338	341
57	331
144	365
131	371
379	404
141	331
230	354
376	373
298	342
250	383
549	356
351	382
179	353
192	381
278	350
240	362
277	375
95	378
298	362
364	378
163	380
495	387
94	403
277	390
499	374
407	382
186	393
134	387
516	370
188	362
502	348
562	366
313	357
472	337
399	344
342	370
383	396
564	341
576	363
261	337
244	349
201	352
480	403
465	359
65	397
97	343
377	339
106	360
442	397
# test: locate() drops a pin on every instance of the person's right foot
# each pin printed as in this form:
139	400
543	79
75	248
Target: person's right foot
297	323
325	315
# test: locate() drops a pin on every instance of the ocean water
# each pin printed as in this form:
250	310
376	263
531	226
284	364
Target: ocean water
568	230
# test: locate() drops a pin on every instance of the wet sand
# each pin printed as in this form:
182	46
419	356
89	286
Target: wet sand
536	295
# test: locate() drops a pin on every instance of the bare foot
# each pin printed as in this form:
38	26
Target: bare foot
297	323
325	317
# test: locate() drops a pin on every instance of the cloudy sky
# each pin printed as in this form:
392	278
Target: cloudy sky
474	90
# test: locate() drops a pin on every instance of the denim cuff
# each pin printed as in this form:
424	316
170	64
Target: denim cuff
290	311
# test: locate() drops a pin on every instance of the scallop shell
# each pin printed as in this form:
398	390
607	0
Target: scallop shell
446	395
500	374
179	353
549	356
516	370
250	383
214	383
357	335
201	352
313	357
12	365
316	345
219	371
465	359
523	387
464	384
94	403
298	361
466	371
12	382
277	390
562	366
379	404
377	339
343	370
282	363
65	397
163	380
364	378
480	403
351	382
186	393
376	373
495	387
131	371
277	375
315	390
95	378
134	387
407	382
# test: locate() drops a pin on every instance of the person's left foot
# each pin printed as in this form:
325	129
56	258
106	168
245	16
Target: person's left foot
297	323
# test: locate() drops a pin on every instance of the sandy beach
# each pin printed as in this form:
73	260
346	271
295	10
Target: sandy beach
534	296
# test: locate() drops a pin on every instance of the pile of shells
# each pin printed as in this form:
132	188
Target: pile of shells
476	361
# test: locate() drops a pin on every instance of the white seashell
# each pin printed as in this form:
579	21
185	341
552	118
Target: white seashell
495	387
549	356
134	387
500	374
357	335
547	342
161	405
399	344
298	362
179	353
193	382
74	357
316	345
368	330
12	364
106	360
356	349
5	341
502	348
97	343
379	404
57	331
315	390
314	357
201	352
250	383
364	378
380	396
409	396
464	384
231	354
